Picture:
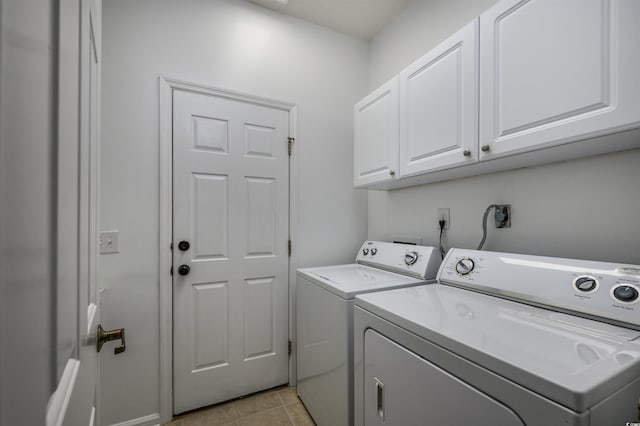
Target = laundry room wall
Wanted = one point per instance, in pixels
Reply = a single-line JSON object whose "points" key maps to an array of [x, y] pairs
{"points": [[232, 45], [586, 208]]}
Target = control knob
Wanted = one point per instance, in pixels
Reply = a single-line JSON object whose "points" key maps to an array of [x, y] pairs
{"points": [[411, 257], [625, 293], [374, 251], [465, 266], [586, 283], [365, 251]]}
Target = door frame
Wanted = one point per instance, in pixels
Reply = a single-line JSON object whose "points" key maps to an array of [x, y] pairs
{"points": [[167, 86]]}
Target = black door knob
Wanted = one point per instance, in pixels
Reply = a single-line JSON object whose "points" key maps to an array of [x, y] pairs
{"points": [[184, 269], [184, 245]]}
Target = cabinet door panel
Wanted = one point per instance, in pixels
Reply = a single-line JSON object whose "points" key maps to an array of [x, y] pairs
{"points": [[376, 136], [550, 72], [438, 106]]}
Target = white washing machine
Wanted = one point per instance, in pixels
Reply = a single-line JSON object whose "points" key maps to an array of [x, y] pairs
{"points": [[502, 339], [324, 314]]}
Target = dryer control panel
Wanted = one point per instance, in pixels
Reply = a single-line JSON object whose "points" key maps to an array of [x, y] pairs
{"points": [[600, 290], [417, 261]]}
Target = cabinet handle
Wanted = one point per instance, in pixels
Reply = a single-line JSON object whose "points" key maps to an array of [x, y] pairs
{"points": [[466, 152], [485, 148], [392, 172], [379, 398]]}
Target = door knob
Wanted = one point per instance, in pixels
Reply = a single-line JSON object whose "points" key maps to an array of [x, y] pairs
{"points": [[485, 148], [184, 270], [105, 336], [184, 245], [466, 153]]}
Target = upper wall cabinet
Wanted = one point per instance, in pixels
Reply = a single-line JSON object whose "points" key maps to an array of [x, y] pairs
{"points": [[539, 81], [376, 136], [553, 72], [438, 106]]}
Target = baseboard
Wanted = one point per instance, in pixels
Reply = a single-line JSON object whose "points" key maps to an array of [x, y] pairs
{"points": [[152, 419]]}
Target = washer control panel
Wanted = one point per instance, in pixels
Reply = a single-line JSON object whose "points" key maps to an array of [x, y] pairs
{"points": [[417, 261], [608, 291]]}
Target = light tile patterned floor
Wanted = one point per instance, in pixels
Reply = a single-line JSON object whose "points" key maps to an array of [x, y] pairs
{"points": [[275, 407]]}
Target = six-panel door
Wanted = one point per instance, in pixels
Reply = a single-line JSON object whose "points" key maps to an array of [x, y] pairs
{"points": [[230, 203]]}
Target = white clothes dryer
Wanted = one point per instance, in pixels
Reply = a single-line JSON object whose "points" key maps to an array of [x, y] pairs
{"points": [[324, 312], [502, 339]]}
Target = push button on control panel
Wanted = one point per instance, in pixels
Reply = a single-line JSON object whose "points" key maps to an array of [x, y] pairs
{"points": [[585, 283], [625, 293]]}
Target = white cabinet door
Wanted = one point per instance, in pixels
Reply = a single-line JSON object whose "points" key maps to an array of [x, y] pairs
{"points": [[552, 72], [376, 136], [438, 106]]}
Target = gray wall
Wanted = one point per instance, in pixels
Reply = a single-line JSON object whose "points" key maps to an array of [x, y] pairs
{"points": [[232, 45], [28, 55], [588, 208]]}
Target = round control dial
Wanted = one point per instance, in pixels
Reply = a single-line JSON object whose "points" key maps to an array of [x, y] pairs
{"points": [[465, 266], [625, 293], [585, 283], [365, 251], [374, 251], [411, 257]]}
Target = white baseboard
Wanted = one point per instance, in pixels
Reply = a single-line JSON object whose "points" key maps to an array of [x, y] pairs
{"points": [[152, 419]]}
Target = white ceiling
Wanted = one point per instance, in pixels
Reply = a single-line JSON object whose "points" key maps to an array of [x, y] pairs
{"points": [[360, 18]]}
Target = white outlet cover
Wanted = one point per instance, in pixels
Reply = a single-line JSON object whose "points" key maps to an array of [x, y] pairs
{"points": [[443, 213]]}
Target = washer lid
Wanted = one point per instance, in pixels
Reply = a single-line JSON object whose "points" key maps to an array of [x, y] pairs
{"points": [[349, 280], [574, 361]]}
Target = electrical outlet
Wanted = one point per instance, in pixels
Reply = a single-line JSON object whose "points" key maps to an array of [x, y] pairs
{"points": [[443, 214], [502, 216], [109, 242]]}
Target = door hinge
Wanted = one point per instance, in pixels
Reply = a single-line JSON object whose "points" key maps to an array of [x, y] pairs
{"points": [[289, 347], [289, 247], [290, 142]]}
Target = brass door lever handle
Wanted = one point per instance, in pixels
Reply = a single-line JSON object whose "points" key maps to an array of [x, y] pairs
{"points": [[105, 336]]}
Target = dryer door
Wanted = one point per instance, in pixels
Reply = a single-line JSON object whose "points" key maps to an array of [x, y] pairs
{"points": [[400, 388]]}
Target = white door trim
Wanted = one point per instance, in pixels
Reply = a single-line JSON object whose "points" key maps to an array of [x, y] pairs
{"points": [[167, 86]]}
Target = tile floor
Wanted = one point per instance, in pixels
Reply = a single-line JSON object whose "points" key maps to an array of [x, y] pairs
{"points": [[274, 407]]}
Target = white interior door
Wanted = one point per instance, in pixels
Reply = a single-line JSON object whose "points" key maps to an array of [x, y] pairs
{"points": [[77, 308], [230, 204]]}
